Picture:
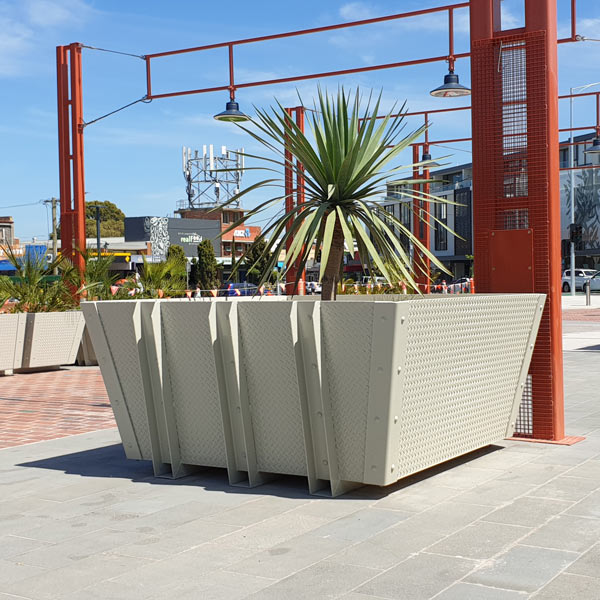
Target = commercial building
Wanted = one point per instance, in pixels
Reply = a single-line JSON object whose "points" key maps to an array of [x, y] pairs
{"points": [[455, 183]]}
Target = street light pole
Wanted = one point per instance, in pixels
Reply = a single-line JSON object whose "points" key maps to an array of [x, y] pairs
{"points": [[572, 178]]}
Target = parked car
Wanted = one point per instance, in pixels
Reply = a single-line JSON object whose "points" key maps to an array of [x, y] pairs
{"points": [[581, 276], [238, 289], [313, 287], [595, 282]]}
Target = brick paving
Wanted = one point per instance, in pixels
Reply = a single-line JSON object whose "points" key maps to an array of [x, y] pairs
{"points": [[582, 314], [52, 404]]}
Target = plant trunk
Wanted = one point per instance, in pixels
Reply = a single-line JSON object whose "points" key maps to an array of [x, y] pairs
{"points": [[334, 264]]}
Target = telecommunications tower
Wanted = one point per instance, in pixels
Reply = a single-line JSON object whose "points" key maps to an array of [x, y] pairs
{"points": [[211, 179]]}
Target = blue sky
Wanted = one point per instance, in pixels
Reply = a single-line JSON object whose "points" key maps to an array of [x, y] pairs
{"points": [[133, 158]]}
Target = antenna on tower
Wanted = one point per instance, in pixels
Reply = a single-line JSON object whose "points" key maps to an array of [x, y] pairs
{"points": [[211, 178]]}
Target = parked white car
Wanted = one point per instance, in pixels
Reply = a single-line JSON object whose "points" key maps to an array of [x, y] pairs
{"points": [[595, 282], [581, 276]]}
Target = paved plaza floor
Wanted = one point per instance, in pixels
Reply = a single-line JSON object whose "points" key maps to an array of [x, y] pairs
{"points": [[513, 521]]}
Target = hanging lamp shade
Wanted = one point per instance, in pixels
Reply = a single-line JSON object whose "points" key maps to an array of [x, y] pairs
{"points": [[451, 88], [427, 158], [595, 147], [232, 113]]}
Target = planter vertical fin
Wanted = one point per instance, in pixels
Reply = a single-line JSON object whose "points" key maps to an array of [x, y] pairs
{"points": [[12, 334]]}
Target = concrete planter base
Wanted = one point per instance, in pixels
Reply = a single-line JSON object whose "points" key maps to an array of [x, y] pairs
{"points": [[358, 391], [52, 339]]}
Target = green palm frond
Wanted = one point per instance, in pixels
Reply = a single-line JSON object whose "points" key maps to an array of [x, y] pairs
{"points": [[346, 166]]}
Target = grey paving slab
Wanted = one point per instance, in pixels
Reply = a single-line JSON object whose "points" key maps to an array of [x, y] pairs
{"points": [[480, 540], [570, 587], [55, 584], [566, 488], [361, 525], [12, 545], [590, 469], [257, 510], [588, 507], [328, 509], [522, 568], [271, 532], [588, 564], [533, 473], [466, 477], [13, 571], [284, 559], [527, 511], [494, 493], [419, 577], [319, 581], [162, 545], [417, 499], [470, 591], [566, 532]]}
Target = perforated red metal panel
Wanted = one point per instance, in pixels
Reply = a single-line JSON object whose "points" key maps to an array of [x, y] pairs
{"points": [[513, 191]]}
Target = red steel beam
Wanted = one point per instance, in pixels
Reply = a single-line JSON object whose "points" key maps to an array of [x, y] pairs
{"points": [[278, 36], [250, 84]]}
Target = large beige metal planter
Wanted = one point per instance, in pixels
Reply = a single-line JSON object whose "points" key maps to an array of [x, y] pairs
{"points": [[12, 337], [52, 339], [358, 391]]}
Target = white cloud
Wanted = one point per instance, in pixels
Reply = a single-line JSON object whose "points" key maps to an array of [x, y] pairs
{"points": [[23, 30], [57, 13], [356, 11]]}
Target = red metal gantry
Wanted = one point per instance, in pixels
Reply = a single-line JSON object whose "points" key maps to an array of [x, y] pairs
{"points": [[515, 158]]}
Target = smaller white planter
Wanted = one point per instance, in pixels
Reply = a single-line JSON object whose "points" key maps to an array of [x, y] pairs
{"points": [[52, 339], [12, 338]]}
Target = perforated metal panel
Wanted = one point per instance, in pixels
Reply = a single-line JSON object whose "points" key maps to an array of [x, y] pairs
{"points": [[52, 339], [269, 365], [116, 318], [402, 385], [12, 334], [193, 380], [463, 361], [346, 337]]}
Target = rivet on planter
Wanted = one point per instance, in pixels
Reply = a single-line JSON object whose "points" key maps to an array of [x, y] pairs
{"points": [[395, 418], [380, 369], [314, 365], [393, 468], [402, 319], [325, 463], [376, 419], [399, 370], [373, 467], [383, 318], [319, 414]]}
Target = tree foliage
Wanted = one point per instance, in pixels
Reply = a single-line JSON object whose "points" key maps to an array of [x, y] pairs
{"points": [[206, 268], [112, 219], [346, 171], [257, 260]]}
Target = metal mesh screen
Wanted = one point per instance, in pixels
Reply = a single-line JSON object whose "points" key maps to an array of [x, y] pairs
{"points": [[524, 424], [511, 175]]}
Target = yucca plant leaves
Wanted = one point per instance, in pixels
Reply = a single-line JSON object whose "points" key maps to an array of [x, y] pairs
{"points": [[346, 166]]}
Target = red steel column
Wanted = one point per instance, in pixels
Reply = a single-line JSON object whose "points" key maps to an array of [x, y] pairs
{"points": [[547, 363], [516, 195], [292, 273], [70, 150]]}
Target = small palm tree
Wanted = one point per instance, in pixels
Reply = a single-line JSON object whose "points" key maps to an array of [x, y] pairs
{"points": [[164, 278], [34, 288], [96, 280], [345, 174]]}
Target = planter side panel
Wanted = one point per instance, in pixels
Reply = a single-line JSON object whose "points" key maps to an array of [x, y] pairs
{"points": [[12, 335], [52, 339], [268, 363], [116, 318], [346, 337], [192, 374], [463, 361]]}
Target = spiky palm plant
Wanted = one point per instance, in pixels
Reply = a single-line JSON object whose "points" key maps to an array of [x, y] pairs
{"points": [[96, 280], [345, 170], [34, 287], [162, 278]]}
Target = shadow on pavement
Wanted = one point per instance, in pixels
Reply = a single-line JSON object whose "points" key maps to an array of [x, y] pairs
{"points": [[110, 461]]}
